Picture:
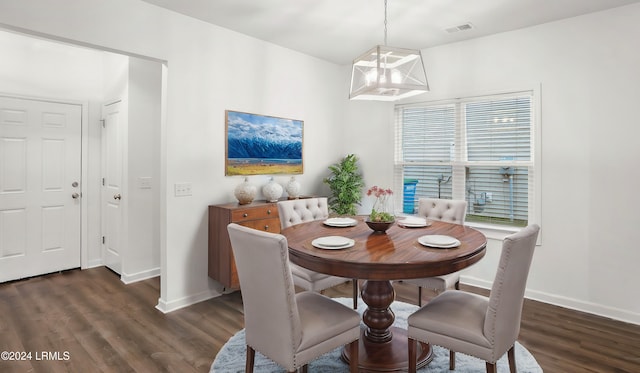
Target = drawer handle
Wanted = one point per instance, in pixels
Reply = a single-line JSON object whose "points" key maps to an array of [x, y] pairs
{"points": [[245, 215], [266, 227], [268, 212]]}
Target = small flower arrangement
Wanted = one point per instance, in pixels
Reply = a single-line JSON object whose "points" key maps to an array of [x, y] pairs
{"points": [[379, 212]]}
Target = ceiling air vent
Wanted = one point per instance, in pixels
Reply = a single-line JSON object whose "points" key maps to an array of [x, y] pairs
{"points": [[462, 27]]}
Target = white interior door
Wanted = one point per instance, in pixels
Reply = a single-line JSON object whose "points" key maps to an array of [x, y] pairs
{"points": [[112, 139], [40, 191]]}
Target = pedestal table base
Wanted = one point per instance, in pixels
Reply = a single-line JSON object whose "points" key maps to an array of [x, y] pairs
{"points": [[390, 356]]}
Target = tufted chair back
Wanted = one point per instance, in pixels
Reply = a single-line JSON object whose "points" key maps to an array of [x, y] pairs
{"points": [[296, 211], [450, 211], [502, 320], [289, 328], [447, 210], [474, 324], [267, 294]]}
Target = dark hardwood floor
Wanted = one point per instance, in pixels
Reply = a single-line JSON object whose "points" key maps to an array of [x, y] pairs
{"points": [[88, 321]]}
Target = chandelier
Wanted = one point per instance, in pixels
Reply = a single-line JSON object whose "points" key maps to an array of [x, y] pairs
{"points": [[386, 73]]}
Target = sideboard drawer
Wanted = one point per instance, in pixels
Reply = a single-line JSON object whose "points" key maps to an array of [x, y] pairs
{"points": [[266, 225], [246, 214]]}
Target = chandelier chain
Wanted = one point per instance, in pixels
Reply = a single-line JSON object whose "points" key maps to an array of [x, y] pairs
{"points": [[385, 22]]}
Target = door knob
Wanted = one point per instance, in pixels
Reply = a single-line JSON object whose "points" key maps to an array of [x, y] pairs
{"points": [[117, 196], [75, 196]]}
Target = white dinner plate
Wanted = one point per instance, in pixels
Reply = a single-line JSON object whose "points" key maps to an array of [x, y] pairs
{"points": [[439, 241], [412, 222], [341, 222], [332, 242]]}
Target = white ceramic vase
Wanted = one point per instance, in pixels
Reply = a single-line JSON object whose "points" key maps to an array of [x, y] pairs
{"points": [[272, 191], [293, 188], [245, 192]]}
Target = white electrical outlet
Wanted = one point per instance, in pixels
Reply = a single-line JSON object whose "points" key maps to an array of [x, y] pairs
{"points": [[182, 189]]}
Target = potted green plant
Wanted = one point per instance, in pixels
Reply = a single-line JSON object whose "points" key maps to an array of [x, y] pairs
{"points": [[346, 186]]}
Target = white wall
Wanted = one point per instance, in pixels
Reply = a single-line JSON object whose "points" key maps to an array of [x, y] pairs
{"points": [[370, 135], [141, 256], [209, 69], [115, 74], [587, 68], [589, 193]]}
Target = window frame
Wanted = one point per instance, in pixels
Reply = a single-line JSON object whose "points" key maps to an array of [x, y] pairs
{"points": [[492, 230]]}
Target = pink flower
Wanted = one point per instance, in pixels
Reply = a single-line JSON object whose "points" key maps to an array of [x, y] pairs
{"points": [[377, 192], [381, 210]]}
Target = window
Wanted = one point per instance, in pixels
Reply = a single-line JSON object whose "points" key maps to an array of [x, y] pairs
{"points": [[480, 149]]}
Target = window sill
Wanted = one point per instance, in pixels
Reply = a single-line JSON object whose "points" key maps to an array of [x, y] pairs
{"points": [[493, 231]]}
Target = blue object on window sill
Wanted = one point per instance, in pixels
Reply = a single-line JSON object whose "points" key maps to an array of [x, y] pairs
{"points": [[408, 196]]}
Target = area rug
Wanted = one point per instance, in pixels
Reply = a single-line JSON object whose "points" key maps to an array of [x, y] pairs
{"points": [[231, 358]]}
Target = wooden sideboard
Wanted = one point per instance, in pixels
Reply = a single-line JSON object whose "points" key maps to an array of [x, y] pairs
{"points": [[260, 215]]}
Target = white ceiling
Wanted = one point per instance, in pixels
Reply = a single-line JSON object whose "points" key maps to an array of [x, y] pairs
{"points": [[340, 30]]}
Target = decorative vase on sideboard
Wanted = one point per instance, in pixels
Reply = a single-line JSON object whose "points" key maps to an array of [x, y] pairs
{"points": [[293, 188], [272, 191], [245, 192]]}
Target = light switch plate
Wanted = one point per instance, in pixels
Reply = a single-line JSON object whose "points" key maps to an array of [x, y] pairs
{"points": [[182, 189]]}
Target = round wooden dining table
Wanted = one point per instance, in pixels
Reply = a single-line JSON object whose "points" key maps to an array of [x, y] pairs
{"points": [[379, 258]]}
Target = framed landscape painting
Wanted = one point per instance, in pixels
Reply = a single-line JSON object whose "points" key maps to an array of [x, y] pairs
{"points": [[262, 145]]}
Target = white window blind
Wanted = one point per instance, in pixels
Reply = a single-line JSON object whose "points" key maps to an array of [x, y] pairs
{"points": [[479, 149]]}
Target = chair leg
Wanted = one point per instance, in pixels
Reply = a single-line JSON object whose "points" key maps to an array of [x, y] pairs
{"points": [[353, 353], [305, 368], [419, 296], [452, 360], [491, 368], [355, 293], [413, 362], [457, 285], [511, 356], [251, 354]]}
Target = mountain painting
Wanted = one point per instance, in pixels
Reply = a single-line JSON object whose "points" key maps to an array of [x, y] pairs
{"points": [[263, 145]]}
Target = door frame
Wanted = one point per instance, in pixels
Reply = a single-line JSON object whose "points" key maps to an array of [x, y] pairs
{"points": [[84, 167]]}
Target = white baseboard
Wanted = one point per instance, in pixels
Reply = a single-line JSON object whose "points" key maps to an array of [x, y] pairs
{"points": [[143, 275], [94, 263], [166, 307], [570, 303]]}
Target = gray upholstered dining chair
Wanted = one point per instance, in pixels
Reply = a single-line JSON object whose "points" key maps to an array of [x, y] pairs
{"points": [[484, 327], [296, 211], [448, 210], [290, 329]]}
